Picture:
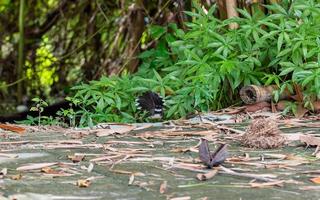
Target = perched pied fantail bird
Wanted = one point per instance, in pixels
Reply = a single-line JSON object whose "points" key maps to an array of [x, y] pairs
{"points": [[152, 103]]}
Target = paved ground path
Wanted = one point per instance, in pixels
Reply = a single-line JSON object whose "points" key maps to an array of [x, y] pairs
{"points": [[147, 162]]}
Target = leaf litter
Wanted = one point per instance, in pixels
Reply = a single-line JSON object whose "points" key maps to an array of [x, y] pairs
{"points": [[176, 148]]}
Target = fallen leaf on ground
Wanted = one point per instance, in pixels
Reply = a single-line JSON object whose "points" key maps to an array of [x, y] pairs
{"points": [[184, 150], [181, 198], [83, 183], [122, 128], [35, 166], [301, 110], [14, 143], [12, 128], [316, 180], [258, 106], [310, 140], [309, 188], [16, 177], [76, 158], [268, 184], [316, 106], [103, 132], [261, 177], [127, 172], [163, 187], [8, 155], [49, 170]]}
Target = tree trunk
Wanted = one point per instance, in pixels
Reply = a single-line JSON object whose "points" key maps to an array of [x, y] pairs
{"points": [[232, 12], [21, 58]]}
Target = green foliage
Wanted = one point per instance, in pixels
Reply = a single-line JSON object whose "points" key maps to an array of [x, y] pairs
{"points": [[44, 75], [40, 104], [110, 99], [204, 67], [293, 36], [291, 107], [69, 114], [44, 120]]}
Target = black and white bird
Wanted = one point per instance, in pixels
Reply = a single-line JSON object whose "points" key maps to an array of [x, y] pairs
{"points": [[152, 103]]}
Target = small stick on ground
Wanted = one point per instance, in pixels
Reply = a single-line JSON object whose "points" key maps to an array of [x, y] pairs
{"points": [[254, 176]]}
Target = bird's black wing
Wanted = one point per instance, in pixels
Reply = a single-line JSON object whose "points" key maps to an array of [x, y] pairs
{"points": [[150, 102]]}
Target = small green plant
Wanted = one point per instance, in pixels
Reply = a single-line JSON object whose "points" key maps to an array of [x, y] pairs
{"points": [[29, 121], [70, 114], [291, 107], [39, 107]]}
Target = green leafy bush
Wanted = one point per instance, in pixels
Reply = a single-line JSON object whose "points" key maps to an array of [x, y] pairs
{"points": [[204, 67]]}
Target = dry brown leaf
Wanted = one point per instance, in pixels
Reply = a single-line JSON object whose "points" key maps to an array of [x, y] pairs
{"points": [[268, 184], [67, 141], [301, 111], [104, 132], [181, 198], [174, 134], [127, 172], [83, 183], [310, 140], [76, 158], [143, 127], [163, 187], [316, 180], [73, 146], [207, 176], [258, 106], [13, 128], [316, 106], [16, 177], [35, 166], [9, 155], [122, 128], [78, 134], [275, 155], [49, 170], [261, 177], [14, 143], [291, 137], [184, 150], [296, 158], [309, 188], [189, 166]]}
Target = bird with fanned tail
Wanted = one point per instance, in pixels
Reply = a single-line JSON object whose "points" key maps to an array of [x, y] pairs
{"points": [[152, 104]]}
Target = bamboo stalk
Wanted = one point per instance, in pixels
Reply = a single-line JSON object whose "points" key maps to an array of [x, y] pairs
{"points": [[253, 94], [21, 50]]}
